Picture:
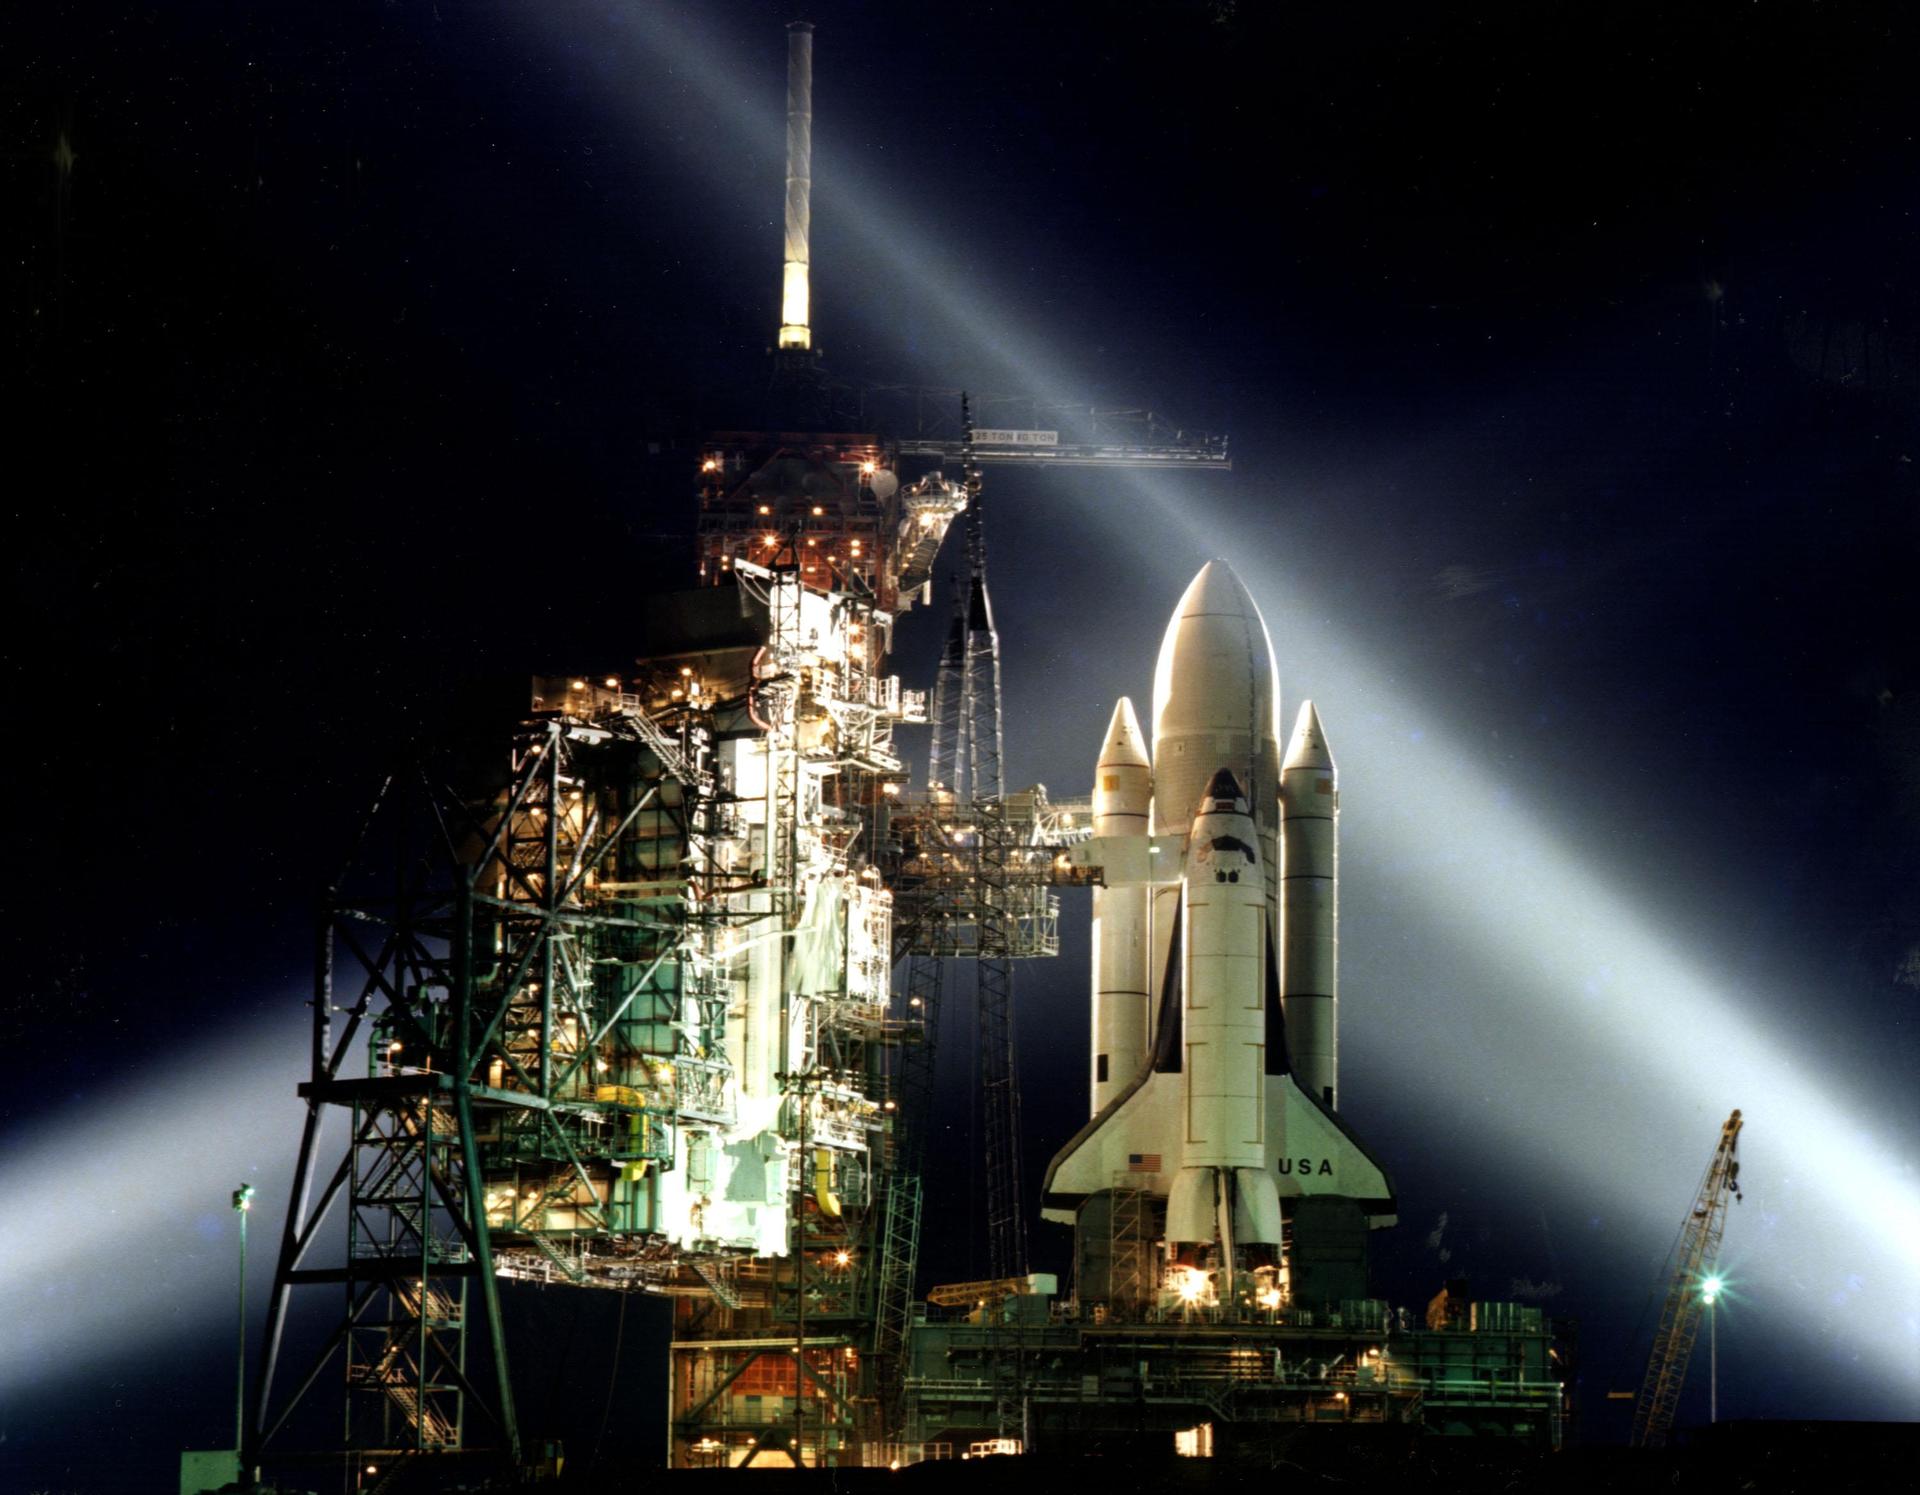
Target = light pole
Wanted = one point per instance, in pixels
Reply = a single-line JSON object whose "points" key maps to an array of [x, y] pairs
{"points": [[242, 1203], [1710, 1295]]}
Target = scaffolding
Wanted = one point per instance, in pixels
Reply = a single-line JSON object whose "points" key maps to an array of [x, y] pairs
{"points": [[1092, 1384], [951, 861], [1131, 1284], [832, 509], [623, 1023], [786, 1371]]}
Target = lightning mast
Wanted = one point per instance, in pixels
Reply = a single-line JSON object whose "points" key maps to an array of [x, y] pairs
{"points": [[1680, 1318]]}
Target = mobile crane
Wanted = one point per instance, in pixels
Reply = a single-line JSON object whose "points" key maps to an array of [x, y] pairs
{"points": [[1694, 1285]]}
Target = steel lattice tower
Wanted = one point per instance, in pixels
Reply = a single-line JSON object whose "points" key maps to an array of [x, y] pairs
{"points": [[999, 1060], [925, 985], [986, 786], [965, 758], [925, 970]]}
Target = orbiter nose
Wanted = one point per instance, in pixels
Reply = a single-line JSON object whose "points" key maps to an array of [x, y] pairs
{"points": [[1224, 795]]}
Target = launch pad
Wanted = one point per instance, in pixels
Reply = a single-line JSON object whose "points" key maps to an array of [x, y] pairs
{"points": [[1092, 1384]]}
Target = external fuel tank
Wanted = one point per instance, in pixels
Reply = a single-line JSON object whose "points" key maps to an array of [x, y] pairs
{"points": [[1216, 698]]}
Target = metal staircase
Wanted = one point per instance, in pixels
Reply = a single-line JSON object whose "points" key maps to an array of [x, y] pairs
{"points": [[720, 1282], [395, 1377], [899, 1260], [565, 1265]]}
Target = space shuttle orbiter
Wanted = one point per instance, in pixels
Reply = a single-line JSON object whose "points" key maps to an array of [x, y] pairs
{"points": [[1215, 1038]]}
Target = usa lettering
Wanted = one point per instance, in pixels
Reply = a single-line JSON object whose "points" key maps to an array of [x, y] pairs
{"points": [[1306, 1167]]}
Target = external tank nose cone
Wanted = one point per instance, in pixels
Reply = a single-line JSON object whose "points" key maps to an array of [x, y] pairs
{"points": [[1215, 690], [1216, 592], [1125, 745], [1217, 657], [1307, 747]]}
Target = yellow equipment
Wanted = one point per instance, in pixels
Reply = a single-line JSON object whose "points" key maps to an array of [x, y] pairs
{"points": [[1680, 1318], [980, 1294]]}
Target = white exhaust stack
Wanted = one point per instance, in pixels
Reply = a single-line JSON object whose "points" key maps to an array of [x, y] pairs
{"points": [[794, 292]]}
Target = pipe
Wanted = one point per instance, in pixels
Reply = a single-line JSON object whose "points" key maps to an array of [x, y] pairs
{"points": [[823, 1194], [794, 292]]}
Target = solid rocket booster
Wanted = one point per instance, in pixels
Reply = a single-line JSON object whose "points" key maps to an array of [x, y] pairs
{"points": [[1223, 1028], [1122, 803], [1309, 906]]}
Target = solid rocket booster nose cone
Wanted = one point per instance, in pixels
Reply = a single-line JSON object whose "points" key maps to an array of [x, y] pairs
{"points": [[1122, 778], [1307, 747], [1126, 744]]}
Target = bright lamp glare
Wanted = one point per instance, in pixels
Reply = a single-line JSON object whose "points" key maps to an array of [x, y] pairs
{"points": [[118, 1235]]}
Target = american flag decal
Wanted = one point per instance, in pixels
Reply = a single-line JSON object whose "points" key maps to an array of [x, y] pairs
{"points": [[1143, 1162]]}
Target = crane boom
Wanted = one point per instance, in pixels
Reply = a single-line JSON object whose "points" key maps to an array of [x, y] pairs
{"points": [[1680, 1317]]}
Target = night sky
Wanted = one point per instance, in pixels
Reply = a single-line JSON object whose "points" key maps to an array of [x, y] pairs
{"points": [[1571, 362]]}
